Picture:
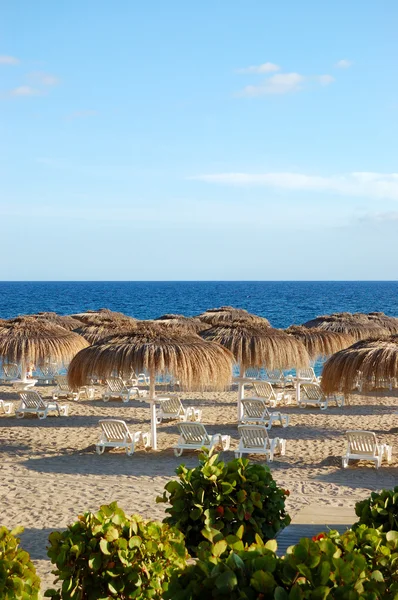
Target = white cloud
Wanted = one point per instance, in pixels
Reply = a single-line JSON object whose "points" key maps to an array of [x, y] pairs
{"points": [[343, 64], [24, 90], [325, 79], [363, 184], [267, 67], [9, 60], [282, 83], [46, 79]]}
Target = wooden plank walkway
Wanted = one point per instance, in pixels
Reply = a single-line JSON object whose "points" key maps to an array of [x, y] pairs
{"points": [[311, 520]]}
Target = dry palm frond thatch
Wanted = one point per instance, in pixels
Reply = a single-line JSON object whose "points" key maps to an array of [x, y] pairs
{"points": [[195, 363], [192, 324], [229, 314], [96, 317], [357, 324], [371, 361], [320, 342], [259, 346], [27, 338], [389, 323], [62, 320]]}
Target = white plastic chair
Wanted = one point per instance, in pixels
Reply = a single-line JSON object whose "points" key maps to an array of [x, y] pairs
{"points": [[117, 389], [11, 371], [6, 407], [32, 402], [47, 372], [363, 445], [63, 390], [254, 440], [275, 376], [311, 393], [193, 436], [264, 391], [256, 411], [172, 408], [116, 434], [307, 375]]}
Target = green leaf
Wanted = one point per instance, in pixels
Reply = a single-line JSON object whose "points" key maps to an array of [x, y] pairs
{"points": [[226, 582], [219, 548], [104, 546]]}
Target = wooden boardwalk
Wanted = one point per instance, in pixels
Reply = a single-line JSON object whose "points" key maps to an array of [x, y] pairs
{"points": [[314, 519]]}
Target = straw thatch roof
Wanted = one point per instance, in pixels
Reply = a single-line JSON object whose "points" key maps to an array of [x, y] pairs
{"points": [[65, 321], [192, 324], [357, 324], [102, 315], [371, 361], [229, 314], [320, 342], [195, 363], [259, 346], [27, 338], [389, 323]]}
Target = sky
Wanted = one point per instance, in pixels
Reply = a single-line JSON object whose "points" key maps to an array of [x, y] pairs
{"points": [[175, 140]]}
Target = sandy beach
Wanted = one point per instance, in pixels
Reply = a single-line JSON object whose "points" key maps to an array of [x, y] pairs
{"points": [[50, 472]]}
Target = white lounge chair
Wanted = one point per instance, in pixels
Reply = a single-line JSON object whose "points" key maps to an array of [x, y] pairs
{"points": [[6, 407], [47, 372], [252, 373], [254, 440], [116, 434], [264, 391], [363, 445], [10, 371], [275, 376], [117, 389], [32, 402], [63, 390], [307, 375], [193, 436], [256, 411], [172, 408], [311, 393]]}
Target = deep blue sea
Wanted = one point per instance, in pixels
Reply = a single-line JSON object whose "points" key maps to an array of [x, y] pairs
{"points": [[282, 302]]}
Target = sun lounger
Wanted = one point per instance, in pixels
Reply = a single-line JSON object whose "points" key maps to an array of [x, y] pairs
{"points": [[63, 390], [32, 402], [311, 393], [117, 389], [193, 436], [307, 375], [256, 411], [264, 391], [116, 434], [275, 376], [254, 440], [6, 407], [10, 371], [363, 445], [47, 373], [172, 408]]}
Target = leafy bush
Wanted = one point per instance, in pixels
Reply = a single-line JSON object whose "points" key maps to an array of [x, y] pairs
{"points": [[380, 510], [110, 555], [360, 565], [224, 496], [18, 579]]}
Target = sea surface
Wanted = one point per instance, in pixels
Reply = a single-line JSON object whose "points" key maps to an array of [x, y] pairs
{"points": [[282, 302]]}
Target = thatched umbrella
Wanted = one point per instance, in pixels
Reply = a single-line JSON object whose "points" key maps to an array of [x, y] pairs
{"points": [[192, 324], [229, 314], [389, 323], [95, 333], [95, 317], [254, 346], [65, 321], [196, 364], [26, 339], [320, 342], [372, 360], [358, 325]]}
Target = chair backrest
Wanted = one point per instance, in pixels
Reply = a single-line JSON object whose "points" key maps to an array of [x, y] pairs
{"points": [[62, 382], [194, 433], [48, 369], [115, 384], [306, 374], [253, 436], [362, 442], [142, 378], [312, 391], [252, 372], [254, 409], [172, 406], [32, 400], [11, 370], [116, 430], [264, 389], [274, 374]]}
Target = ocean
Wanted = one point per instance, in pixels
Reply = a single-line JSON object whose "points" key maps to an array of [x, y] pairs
{"points": [[283, 302]]}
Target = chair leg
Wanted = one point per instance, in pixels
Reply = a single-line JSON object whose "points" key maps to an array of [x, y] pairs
{"points": [[100, 449], [178, 451]]}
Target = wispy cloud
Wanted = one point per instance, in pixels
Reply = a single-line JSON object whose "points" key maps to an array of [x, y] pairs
{"points": [[267, 67], [9, 60], [45, 79], [282, 83], [81, 114], [325, 79], [363, 184], [343, 64], [24, 90]]}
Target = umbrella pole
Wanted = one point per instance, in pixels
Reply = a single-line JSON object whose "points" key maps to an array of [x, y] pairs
{"points": [[23, 370], [152, 404], [241, 391]]}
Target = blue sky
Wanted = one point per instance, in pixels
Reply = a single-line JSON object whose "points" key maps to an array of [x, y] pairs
{"points": [[212, 140]]}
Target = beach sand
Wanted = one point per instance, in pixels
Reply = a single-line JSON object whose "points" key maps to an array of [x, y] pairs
{"points": [[50, 472]]}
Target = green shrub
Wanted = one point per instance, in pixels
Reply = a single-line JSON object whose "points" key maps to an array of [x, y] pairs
{"points": [[379, 510], [224, 496], [18, 579], [110, 555], [360, 565]]}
